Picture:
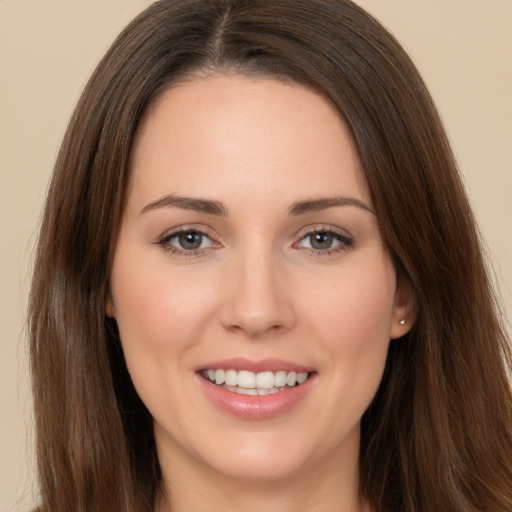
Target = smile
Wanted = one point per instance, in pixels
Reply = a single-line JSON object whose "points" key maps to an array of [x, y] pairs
{"points": [[246, 382], [256, 390]]}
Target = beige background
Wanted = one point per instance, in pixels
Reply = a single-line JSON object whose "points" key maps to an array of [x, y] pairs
{"points": [[48, 49]]}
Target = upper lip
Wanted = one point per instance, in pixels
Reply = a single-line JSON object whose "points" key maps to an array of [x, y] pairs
{"points": [[256, 366]]}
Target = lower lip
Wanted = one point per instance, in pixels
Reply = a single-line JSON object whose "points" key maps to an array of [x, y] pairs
{"points": [[258, 407]]}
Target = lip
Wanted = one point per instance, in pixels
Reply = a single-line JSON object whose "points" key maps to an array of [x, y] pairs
{"points": [[258, 407], [263, 365]]}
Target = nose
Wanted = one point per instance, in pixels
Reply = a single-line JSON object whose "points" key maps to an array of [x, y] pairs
{"points": [[257, 296]]}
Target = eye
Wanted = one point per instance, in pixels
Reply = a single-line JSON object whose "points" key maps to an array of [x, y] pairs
{"points": [[321, 241], [187, 242]]}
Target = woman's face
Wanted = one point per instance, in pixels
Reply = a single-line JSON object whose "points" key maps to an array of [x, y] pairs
{"points": [[253, 293]]}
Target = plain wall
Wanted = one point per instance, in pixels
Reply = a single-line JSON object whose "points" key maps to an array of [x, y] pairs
{"points": [[47, 51]]}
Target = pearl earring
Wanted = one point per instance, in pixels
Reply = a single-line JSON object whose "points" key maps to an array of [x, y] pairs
{"points": [[402, 322]]}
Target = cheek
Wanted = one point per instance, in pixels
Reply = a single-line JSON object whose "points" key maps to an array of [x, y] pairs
{"points": [[155, 303], [355, 304], [352, 315], [160, 314]]}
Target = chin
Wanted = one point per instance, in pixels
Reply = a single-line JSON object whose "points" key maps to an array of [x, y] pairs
{"points": [[270, 452], [261, 466]]}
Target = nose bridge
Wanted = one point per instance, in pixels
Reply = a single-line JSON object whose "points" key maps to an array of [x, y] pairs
{"points": [[258, 298]]}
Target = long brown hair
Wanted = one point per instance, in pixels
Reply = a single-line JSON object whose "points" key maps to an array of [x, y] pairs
{"points": [[438, 435]]}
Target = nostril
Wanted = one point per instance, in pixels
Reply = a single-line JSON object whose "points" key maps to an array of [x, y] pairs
{"points": [[256, 329], [275, 320], [256, 301]]}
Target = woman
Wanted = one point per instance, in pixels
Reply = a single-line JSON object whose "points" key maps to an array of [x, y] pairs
{"points": [[249, 290]]}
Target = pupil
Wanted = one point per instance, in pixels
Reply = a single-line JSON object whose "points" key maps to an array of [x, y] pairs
{"points": [[321, 241], [190, 240]]}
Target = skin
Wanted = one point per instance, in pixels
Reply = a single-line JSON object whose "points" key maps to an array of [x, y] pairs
{"points": [[258, 288]]}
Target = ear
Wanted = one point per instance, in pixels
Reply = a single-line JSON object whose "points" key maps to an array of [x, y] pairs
{"points": [[405, 308], [109, 306]]}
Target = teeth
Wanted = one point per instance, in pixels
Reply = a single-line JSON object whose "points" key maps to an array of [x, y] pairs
{"points": [[301, 378], [246, 380], [262, 383], [244, 391], [265, 380], [231, 378], [253, 392], [220, 377], [280, 379], [291, 378]]}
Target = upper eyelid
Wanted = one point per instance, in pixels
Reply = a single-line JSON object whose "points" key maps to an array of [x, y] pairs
{"points": [[209, 232], [174, 234], [342, 237], [164, 241], [204, 230], [320, 228]]}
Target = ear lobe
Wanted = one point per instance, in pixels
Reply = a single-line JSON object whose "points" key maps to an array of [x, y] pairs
{"points": [[109, 306], [405, 309]]}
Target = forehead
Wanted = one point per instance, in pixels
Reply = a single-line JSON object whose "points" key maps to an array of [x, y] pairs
{"points": [[211, 132]]}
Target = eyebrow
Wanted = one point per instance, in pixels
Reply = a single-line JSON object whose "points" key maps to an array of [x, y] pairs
{"points": [[217, 208], [187, 203], [314, 205]]}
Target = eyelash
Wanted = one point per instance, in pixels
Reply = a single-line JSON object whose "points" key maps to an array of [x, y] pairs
{"points": [[345, 242], [165, 240]]}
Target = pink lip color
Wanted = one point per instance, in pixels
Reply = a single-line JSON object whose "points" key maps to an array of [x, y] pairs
{"points": [[263, 365], [256, 407]]}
